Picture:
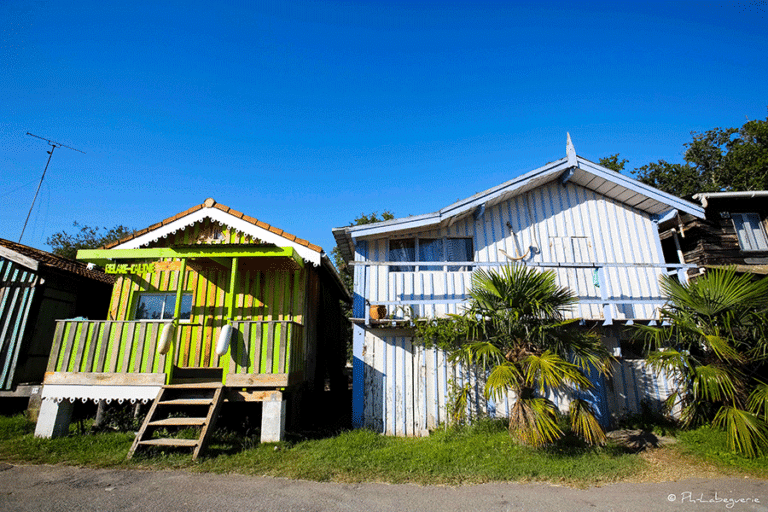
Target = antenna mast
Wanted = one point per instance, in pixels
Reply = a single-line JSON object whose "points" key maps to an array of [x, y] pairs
{"points": [[53, 145]]}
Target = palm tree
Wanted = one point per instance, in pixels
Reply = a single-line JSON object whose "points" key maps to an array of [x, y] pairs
{"points": [[516, 328], [716, 347]]}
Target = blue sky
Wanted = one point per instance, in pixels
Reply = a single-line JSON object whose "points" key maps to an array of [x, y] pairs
{"points": [[307, 114]]}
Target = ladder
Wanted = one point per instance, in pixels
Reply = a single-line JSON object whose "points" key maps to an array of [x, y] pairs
{"points": [[189, 399]]}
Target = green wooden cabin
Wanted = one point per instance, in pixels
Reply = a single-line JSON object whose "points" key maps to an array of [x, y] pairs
{"points": [[210, 294]]}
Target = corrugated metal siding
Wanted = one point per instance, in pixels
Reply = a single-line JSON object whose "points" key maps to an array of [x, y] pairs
{"points": [[17, 289]]}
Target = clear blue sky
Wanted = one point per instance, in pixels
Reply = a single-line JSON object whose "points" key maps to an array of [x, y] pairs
{"points": [[307, 114]]}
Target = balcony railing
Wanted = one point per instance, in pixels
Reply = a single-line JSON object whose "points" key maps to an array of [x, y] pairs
{"points": [[606, 291], [260, 352]]}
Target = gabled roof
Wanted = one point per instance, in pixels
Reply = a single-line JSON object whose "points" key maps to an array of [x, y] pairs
{"points": [[33, 259], [224, 215], [239, 221], [571, 169]]}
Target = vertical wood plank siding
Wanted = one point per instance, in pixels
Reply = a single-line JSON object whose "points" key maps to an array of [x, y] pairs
{"points": [[259, 295], [17, 290], [406, 387], [564, 224]]}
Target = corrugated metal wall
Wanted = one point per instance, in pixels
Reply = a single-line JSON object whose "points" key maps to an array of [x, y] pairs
{"points": [[17, 289]]}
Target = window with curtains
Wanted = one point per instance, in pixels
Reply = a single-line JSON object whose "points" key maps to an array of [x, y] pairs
{"points": [[430, 249], [750, 232], [160, 306]]}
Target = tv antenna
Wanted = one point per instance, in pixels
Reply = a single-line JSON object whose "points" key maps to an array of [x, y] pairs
{"points": [[53, 145]]}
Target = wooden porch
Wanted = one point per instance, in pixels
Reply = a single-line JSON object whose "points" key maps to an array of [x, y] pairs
{"points": [[261, 354]]}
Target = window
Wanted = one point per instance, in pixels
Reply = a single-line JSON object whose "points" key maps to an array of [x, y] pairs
{"points": [[160, 306], [430, 249], [750, 232]]}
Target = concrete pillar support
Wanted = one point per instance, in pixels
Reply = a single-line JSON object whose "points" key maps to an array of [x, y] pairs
{"points": [[54, 418], [273, 419]]}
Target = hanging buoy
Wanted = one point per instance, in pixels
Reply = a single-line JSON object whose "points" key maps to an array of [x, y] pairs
{"points": [[165, 338], [222, 345]]}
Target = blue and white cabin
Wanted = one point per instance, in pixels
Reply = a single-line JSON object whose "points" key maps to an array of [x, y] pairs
{"points": [[596, 228]]}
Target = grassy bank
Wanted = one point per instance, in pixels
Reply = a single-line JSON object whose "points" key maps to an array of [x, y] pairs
{"points": [[475, 454]]}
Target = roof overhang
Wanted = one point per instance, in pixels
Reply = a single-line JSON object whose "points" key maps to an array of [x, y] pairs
{"points": [[106, 256], [704, 197], [308, 254]]}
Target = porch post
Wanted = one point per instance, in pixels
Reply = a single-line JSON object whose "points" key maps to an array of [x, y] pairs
{"points": [[54, 418], [232, 282], [273, 419]]}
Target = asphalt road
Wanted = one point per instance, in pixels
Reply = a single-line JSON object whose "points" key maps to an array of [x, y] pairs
{"points": [[61, 488]]}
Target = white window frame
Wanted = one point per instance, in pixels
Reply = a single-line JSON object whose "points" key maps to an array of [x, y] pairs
{"points": [[448, 268], [752, 225]]}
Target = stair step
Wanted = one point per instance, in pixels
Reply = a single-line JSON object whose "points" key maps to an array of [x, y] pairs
{"points": [[178, 422], [195, 385], [170, 442], [187, 401]]}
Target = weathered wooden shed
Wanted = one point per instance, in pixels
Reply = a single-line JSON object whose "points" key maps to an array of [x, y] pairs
{"points": [[36, 289], [210, 304], [596, 228], [734, 233]]}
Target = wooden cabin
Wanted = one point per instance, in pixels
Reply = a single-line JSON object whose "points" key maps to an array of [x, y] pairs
{"points": [[734, 232], [596, 228], [210, 297], [36, 289]]}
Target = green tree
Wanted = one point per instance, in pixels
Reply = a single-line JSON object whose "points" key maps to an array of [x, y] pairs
{"points": [[729, 159], [716, 348], [613, 162], [515, 328], [86, 237]]}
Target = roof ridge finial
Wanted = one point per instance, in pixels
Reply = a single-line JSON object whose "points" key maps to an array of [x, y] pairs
{"points": [[208, 203], [570, 152]]}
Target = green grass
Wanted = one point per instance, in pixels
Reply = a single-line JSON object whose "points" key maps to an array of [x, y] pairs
{"points": [[711, 444], [474, 454]]}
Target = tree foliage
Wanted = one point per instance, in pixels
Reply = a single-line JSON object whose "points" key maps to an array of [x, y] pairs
{"points": [[515, 328], [721, 159], [612, 162], [716, 348], [85, 237]]}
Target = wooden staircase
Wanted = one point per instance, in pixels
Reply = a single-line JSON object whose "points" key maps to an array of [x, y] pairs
{"points": [[180, 406]]}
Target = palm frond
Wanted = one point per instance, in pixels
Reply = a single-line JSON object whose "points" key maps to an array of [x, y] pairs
{"points": [[584, 423], [712, 383], [533, 421], [758, 401], [746, 433], [503, 377], [550, 371]]}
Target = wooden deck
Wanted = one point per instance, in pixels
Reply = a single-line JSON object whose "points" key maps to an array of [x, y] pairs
{"points": [[103, 352]]}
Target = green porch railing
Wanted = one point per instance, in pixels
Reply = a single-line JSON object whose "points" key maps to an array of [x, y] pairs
{"points": [[273, 350]]}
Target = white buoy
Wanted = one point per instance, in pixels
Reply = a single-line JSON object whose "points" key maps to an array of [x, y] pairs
{"points": [[222, 345], [165, 338]]}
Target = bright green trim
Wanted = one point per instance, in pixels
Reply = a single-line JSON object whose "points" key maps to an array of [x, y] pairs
{"points": [[232, 289], [105, 256], [180, 290]]}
